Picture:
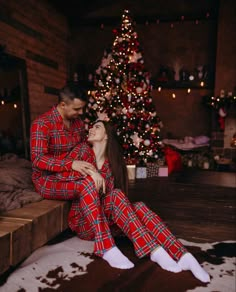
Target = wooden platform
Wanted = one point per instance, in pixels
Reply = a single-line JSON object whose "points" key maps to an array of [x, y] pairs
{"points": [[25, 229]]}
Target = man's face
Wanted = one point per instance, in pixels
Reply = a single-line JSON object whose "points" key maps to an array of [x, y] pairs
{"points": [[72, 109]]}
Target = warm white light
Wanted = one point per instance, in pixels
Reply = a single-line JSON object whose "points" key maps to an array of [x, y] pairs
{"points": [[159, 88], [2, 102], [173, 95], [189, 90], [15, 105], [202, 83]]}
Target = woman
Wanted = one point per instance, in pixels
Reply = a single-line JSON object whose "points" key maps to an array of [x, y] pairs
{"points": [[93, 213]]}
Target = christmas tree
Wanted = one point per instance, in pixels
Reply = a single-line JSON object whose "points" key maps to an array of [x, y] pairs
{"points": [[123, 91]]}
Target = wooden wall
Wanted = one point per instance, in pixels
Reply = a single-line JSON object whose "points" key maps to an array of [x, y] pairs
{"points": [[226, 47], [33, 31]]}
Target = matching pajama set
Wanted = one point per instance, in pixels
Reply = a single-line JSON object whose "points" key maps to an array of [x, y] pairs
{"points": [[53, 149]]}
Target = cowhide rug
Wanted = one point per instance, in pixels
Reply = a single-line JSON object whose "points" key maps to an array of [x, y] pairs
{"points": [[71, 266]]}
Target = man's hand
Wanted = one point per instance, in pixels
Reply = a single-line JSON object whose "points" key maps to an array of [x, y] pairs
{"points": [[99, 181], [83, 167]]}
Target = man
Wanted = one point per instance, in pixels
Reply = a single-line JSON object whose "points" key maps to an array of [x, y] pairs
{"points": [[53, 135]]}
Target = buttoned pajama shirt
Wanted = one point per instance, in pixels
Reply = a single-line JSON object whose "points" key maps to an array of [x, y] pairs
{"points": [[53, 149]]}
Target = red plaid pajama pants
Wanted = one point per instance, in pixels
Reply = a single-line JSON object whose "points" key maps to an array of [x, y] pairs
{"points": [[90, 216]]}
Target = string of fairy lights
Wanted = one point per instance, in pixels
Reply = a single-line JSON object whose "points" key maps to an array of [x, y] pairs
{"points": [[5, 99], [173, 93], [13, 105], [171, 20]]}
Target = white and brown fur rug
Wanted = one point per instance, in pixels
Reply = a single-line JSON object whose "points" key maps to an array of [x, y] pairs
{"points": [[71, 266]]}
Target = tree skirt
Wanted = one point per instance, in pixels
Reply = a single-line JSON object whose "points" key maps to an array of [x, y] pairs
{"points": [[71, 266]]}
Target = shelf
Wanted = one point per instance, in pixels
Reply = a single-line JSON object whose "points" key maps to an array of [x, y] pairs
{"points": [[182, 85]]}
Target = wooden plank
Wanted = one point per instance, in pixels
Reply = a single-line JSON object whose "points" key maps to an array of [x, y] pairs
{"points": [[5, 238], [20, 238], [41, 59], [46, 217], [4, 17]]}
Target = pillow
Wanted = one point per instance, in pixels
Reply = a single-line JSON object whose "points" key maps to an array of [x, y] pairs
{"points": [[199, 140]]}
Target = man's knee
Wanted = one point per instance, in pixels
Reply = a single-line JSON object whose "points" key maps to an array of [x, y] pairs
{"points": [[88, 187], [139, 205]]}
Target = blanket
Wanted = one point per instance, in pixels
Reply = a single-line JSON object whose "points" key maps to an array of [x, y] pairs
{"points": [[16, 187]]}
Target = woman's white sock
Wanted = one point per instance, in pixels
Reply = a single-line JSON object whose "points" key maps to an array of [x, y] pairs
{"points": [[162, 258], [188, 262], [117, 259]]}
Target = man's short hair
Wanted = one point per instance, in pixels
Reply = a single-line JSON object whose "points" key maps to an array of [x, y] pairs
{"points": [[71, 91]]}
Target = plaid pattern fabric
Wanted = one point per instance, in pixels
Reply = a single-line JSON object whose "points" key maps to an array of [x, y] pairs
{"points": [[87, 218], [51, 142], [119, 210], [159, 231]]}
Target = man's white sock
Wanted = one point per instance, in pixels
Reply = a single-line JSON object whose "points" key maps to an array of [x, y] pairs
{"points": [[162, 258], [117, 259], [188, 262]]}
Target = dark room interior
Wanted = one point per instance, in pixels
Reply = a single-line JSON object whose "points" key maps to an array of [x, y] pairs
{"points": [[183, 58]]}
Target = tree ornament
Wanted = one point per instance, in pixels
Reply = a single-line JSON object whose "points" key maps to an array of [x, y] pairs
{"points": [[130, 110], [146, 142], [102, 116], [222, 114], [139, 90], [124, 110], [136, 139]]}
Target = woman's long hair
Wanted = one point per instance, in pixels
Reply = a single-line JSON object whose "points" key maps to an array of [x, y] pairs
{"points": [[114, 153]]}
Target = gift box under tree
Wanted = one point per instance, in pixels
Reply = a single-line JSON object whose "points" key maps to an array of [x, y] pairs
{"points": [[152, 169]]}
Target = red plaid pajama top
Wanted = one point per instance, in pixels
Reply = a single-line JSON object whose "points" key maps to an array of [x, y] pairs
{"points": [[50, 143]]}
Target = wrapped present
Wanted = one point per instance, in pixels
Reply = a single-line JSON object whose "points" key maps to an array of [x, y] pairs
{"points": [[131, 169], [152, 169], [163, 171], [141, 172]]}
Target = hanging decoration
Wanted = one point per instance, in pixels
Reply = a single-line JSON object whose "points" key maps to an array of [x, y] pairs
{"points": [[221, 104]]}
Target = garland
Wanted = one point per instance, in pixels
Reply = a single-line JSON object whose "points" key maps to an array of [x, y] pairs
{"points": [[221, 105]]}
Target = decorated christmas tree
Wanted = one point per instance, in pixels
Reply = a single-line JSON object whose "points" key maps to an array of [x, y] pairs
{"points": [[123, 91]]}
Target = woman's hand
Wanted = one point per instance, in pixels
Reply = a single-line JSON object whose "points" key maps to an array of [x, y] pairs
{"points": [[99, 181], [83, 167]]}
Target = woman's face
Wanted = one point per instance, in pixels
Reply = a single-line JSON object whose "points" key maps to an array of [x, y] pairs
{"points": [[97, 133]]}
